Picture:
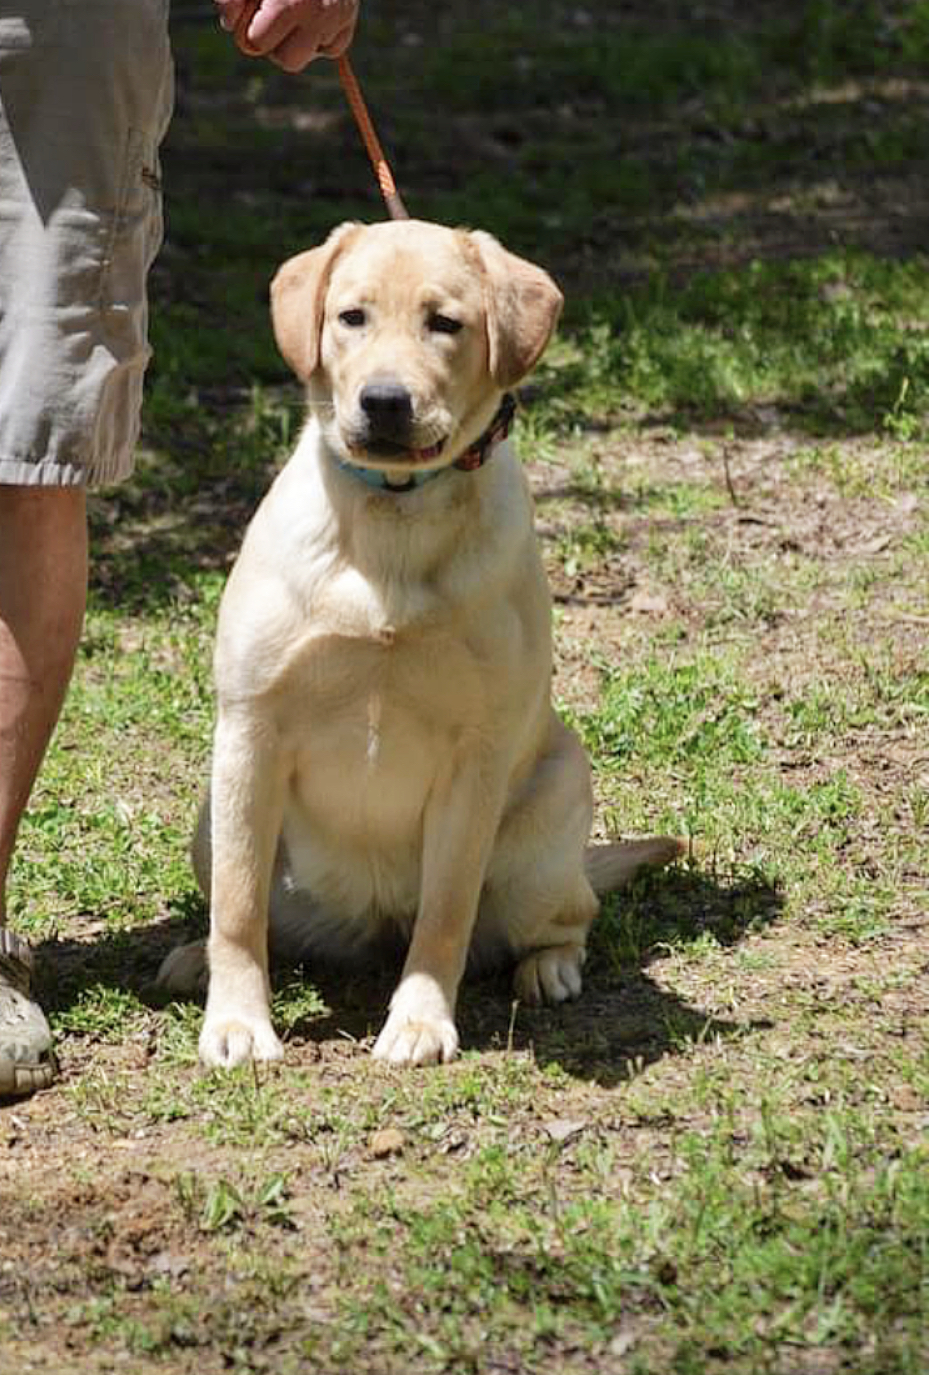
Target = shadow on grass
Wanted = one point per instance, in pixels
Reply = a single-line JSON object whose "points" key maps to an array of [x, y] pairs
{"points": [[626, 1020], [623, 1022], [153, 540]]}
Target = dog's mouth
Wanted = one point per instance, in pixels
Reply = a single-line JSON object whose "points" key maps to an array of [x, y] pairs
{"points": [[384, 427], [377, 453]]}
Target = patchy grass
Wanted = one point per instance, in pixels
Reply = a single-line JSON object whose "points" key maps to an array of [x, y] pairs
{"points": [[716, 1160], [836, 343]]}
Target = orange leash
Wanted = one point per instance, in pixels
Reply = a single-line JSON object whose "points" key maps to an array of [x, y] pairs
{"points": [[395, 207]]}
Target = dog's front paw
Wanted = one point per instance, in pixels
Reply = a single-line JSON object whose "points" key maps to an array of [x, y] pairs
{"points": [[228, 1041], [416, 1043], [552, 975], [420, 1029]]}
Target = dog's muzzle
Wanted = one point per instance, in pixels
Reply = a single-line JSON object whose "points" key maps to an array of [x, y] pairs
{"points": [[387, 428], [388, 411]]}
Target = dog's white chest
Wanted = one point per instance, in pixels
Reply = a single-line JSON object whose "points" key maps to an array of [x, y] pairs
{"points": [[369, 724], [374, 730]]}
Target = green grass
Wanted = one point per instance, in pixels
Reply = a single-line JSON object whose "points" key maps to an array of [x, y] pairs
{"points": [[838, 342], [727, 1236], [716, 1161]]}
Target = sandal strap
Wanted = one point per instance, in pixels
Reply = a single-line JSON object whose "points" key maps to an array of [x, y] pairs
{"points": [[16, 960]]}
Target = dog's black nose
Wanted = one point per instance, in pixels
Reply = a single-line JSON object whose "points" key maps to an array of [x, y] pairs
{"points": [[388, 407]]}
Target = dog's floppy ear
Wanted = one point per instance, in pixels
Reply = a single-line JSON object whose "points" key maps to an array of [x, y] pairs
{"points": [[523, 306], [298, 295]]}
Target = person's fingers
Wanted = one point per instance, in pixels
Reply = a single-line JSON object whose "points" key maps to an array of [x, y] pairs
{"points": [[291, 33], [296, 51], [229, 12], [273, 22], [341, 42], [331, 36]]}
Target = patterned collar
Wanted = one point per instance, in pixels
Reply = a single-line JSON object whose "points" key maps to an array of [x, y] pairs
{"points": [[472, 459]]}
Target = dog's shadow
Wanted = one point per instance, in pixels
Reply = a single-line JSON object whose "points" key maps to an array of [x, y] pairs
{"points": [[624, 1020]]}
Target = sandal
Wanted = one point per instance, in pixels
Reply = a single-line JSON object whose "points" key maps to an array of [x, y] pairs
{"points": [[26, 1059]]}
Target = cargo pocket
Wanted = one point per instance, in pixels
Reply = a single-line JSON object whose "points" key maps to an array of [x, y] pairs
{"points": [[135, 238]]}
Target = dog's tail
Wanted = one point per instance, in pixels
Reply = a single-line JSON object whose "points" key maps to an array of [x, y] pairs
{"points": [[608, 867]]}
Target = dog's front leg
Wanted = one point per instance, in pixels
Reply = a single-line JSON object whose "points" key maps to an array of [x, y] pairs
{"points": [[459, 826], [247, 806]]}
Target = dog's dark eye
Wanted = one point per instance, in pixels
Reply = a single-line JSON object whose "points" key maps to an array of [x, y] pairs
{"points": [[353, 318], [443, 324]]}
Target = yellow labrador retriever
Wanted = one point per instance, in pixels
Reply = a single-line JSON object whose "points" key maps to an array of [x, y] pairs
{"points": [[386, 753]]}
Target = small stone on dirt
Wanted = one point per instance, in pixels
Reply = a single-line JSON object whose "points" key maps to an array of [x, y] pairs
{"points": [[387, 1141], [906, 1099], [170, 1264], [649, 604], [624, 1340], [562, 1129]]}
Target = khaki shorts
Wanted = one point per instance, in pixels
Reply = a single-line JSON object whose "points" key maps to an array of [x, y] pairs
{"points": [[86, 88]]}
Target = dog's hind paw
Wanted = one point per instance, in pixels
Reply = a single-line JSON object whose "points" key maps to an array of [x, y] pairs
{"points": [[184, 970], [229, 1041], [552, 975]]}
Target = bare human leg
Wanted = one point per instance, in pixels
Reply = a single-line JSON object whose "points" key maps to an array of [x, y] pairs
{"points": [[43, 590]]}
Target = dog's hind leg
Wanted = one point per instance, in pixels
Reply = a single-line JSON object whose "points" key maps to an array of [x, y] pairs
{"points": [[543, 881], [184, 971], [537, 901]]}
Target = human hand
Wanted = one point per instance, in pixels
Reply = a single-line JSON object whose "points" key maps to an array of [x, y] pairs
{"points": [[290, 33]]}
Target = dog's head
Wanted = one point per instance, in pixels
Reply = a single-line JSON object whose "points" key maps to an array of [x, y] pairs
{"points": [[406, 335]]}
